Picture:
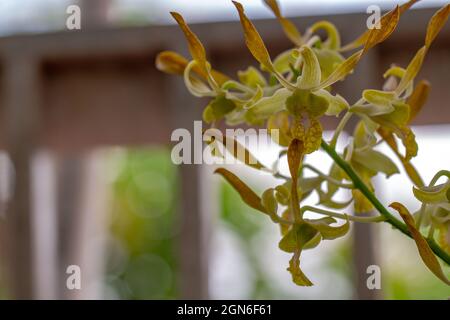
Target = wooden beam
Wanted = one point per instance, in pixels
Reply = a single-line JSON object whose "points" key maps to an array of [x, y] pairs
{"points": [[113, 40], [95, 14]]}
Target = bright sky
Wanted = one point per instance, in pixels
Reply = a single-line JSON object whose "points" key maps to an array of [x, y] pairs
{"points": [[200, 10], [40, 15]]}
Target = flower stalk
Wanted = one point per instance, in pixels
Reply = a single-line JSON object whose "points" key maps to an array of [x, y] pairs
{"points": [[361, 186]]}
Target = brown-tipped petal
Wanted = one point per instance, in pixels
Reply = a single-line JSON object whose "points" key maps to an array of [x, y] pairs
{"points": [[195, 46], [388, 24], [361, 40], [241, 153], [247, 194], [253, 40], [295, 156], [418, 98], [436, 23], [342, 70], [288, 27], [425, 251], [171, 62]]}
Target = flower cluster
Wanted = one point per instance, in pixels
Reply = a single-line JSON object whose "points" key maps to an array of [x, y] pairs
{"points": [[290, 94]]}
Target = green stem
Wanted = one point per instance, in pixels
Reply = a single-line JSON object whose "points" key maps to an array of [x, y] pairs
{"points": [[327, 178], [343, 216], [361, 186], [431, 232], [320, 174], [339, 128]]}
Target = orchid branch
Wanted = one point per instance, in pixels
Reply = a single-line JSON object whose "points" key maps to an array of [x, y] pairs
{"points": [[361, 186]]}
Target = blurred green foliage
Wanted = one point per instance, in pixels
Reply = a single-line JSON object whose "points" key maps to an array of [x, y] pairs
{"points": [[398, 287], [142, 260]]}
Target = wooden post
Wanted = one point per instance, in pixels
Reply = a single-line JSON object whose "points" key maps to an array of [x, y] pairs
{"points": [[192, 245], [21, 102], [44, 231], [363, 235], [364, 256], [68, 196]]}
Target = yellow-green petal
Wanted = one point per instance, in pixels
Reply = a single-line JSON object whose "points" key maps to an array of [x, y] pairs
{"points": [[252, 77], [328, 232], [298, 277], [375, 161], [435, 194], [333, 41], [311, 74], [269, 202]]}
